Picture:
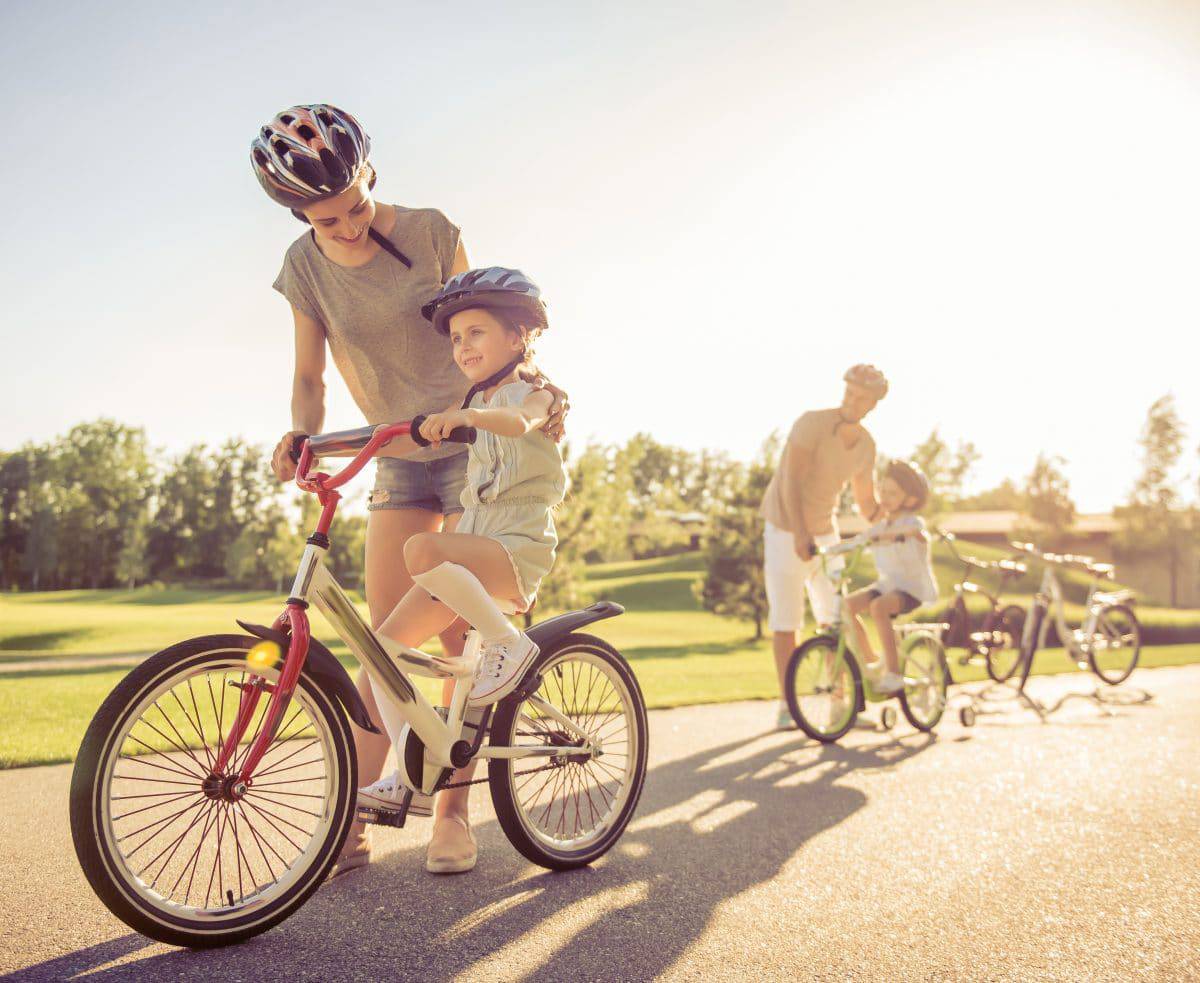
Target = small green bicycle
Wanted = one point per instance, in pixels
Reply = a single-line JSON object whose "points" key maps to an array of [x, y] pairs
{"points": [[825, 687]]}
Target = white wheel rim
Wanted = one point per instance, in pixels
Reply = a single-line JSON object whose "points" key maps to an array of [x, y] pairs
{"points": [[571, 808], [266, 869]]}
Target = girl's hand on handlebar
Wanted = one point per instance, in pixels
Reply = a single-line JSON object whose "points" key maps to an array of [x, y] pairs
{"points": [[282, 463], [437, 426]]}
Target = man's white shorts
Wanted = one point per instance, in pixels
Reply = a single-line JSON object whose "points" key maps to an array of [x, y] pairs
{"points": [[788, 577]]}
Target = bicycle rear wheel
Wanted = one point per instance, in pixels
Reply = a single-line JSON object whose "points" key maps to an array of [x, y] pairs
{"points": [[1114, 649], [566, 812], [1003, 639], [168, 844], [823, 689], [926, 676]]}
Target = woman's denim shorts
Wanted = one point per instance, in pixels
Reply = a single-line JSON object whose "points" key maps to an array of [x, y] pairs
{"points": [[435, 486]]}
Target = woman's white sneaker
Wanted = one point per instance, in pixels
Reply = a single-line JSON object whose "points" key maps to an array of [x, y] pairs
{"points": [[501, 666], [387, 796]]}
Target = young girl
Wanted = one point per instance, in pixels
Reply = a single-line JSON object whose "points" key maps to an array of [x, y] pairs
{"points": [[901, 551], [504, 543]]}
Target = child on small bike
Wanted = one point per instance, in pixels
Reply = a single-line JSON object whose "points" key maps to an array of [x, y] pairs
{"points": [[900, 546], [504, 543]]}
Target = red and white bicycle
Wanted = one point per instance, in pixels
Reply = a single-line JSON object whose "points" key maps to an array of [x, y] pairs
{"points": [[214, 786]]}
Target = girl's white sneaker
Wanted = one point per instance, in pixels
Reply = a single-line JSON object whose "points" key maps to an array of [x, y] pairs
{"points": [[501, 666], [890, 682]]}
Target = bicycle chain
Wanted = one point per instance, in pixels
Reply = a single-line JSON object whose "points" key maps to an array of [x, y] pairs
{"points": [[531, 771]]}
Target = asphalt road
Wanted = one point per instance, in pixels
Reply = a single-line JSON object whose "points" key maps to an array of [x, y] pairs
{"points": [[1013, 850]]}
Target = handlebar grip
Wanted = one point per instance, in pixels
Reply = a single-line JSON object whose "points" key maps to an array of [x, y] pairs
{"points": [[463, 435], [459, 435], [297, 444]]}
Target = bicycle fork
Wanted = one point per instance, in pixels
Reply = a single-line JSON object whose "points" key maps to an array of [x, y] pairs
{"points": [[296, 618]]}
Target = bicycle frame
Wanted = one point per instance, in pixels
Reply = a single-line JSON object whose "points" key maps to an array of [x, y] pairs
{"points": [[381, 658], [1050, 595]]}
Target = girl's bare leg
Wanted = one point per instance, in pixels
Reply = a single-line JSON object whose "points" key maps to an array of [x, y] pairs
{"points": [[856, 604], [883, 610], [387, 581]]}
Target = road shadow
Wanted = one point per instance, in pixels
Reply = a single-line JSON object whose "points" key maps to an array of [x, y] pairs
{"points": [[709, 827]]}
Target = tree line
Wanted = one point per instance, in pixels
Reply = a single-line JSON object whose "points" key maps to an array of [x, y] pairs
{"points": [[100, 507]]}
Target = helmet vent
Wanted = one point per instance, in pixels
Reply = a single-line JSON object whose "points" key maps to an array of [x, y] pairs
{"points": [[287, 119], [306, 131]]}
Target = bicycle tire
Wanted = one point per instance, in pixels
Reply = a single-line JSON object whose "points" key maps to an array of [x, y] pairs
{"points": [[910, 696], [1010, 619], [573, 783], [108, 871], [843, 709], [1122, 668]]}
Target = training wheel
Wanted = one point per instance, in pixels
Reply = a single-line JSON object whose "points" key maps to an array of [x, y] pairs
{"points": [[887, 718], [966, 716]]}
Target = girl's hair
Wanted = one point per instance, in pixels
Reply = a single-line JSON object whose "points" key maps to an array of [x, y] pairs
{"points": [[529, 326], [366, 168]]}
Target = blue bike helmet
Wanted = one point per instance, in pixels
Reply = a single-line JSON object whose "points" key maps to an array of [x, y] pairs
{"points": [[493, 288]]}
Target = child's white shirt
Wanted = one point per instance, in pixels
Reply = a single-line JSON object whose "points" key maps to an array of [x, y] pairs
{"points": [[905, 565]]}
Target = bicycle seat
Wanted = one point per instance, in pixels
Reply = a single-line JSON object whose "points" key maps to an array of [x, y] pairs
{"points": [[1101, 569]]}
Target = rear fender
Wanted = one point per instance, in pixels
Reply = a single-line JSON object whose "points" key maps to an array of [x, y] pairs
{"points": [[546, 633]]}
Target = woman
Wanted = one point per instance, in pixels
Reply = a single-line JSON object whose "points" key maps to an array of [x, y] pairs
{"points": [[356, 281]]}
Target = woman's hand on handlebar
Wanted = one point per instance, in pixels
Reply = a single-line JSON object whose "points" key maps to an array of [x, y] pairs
{"points": [[437, 426], [283, 463], [555, 427]]}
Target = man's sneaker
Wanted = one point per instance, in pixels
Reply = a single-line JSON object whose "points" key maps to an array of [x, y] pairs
{"points": [[501, 666], [890, 682], [783, 719], [386, 797]]}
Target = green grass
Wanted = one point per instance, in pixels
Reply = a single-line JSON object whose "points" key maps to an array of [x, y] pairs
{"points": [[682, 655]]}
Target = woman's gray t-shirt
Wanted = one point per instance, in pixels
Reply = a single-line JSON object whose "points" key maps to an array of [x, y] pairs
{"points": [[394, 363]]}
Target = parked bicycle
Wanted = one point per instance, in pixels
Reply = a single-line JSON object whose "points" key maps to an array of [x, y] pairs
{"points": [[824, 685], [997, 643], [1110, 639], [213, 789]]}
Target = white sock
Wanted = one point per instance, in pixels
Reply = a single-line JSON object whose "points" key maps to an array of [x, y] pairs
{"points": [[393, 717], [455, 586]]}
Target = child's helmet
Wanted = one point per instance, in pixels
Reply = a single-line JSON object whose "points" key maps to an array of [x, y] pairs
{"points": [[909, 477], [869, 378], [309, 152], [492, 288]]}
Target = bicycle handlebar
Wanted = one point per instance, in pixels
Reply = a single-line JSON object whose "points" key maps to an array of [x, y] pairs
{"points": [[369, 440]]}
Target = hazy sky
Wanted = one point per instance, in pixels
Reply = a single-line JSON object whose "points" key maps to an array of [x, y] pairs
{"points": [[726, 205]]}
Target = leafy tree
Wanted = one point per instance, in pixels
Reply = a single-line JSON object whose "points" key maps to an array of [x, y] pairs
{"points": [[592, 522], [945, 467], [733, 583], [1047, 511], [1006, 496], [1154, 520]]}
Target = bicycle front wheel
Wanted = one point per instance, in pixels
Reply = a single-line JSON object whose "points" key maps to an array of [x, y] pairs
{"points": [[926, 676], [1002, 636], [823, 688], [566, 812], [1114, 649], [167, 843]]}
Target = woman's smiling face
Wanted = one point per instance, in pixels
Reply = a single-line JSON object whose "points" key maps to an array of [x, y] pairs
{"points": [[483, 344], [345, 218]]}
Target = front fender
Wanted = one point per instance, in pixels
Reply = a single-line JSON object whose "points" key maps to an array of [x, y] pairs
{"points": [[321, 666]]}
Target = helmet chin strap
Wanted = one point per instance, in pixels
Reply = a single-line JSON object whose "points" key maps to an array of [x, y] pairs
{"points": [[492, 379]]}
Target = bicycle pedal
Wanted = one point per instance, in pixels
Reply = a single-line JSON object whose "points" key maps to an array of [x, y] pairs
{"points": [[413, 804]]}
